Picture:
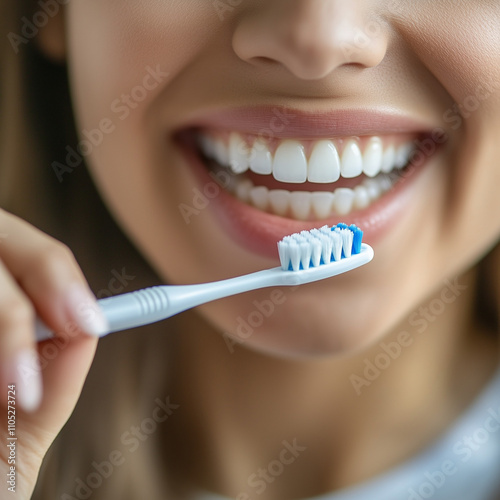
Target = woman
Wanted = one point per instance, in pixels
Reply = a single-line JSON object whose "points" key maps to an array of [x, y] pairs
{"points": [[211, 130]]}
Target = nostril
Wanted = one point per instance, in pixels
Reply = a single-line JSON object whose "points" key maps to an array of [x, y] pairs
{"points": [[263, 60]]}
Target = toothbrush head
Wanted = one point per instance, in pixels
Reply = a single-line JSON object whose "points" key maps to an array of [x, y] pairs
{"points": [[322, 247]]}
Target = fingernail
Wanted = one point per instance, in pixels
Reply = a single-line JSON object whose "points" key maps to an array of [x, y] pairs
{"points": [[24, 373], [86, 311]]}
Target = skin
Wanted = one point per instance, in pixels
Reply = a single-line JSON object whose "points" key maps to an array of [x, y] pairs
{"points": [[290, 53]]}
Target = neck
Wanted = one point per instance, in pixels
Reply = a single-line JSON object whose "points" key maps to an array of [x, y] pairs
{"points": [[341, 419]]}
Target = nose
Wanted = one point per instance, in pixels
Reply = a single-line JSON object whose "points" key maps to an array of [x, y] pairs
{"points": [[311, 38]]}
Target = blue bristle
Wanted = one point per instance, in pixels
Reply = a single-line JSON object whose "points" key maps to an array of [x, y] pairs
{"points": [[358, 238], [341, 225]]}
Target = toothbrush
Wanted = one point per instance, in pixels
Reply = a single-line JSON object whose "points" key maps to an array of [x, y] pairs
{"points": [[305, 257]]}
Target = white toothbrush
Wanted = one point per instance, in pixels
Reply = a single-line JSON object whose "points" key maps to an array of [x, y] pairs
{"points": [[305, 257]]}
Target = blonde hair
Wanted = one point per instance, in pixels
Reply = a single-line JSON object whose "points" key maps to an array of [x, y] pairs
{"points": [[127, 375]]}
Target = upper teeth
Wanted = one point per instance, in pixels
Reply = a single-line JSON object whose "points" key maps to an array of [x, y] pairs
{"points": [[290, 164]]}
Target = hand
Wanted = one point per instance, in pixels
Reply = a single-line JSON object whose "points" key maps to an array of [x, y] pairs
{"points": [[39, 276]]}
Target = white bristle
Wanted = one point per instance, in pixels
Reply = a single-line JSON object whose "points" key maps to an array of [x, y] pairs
{"points": [[347, 237], [305, 254], [336, 245], [284, 254], [316, 252], [326, 248], [294, 249]]}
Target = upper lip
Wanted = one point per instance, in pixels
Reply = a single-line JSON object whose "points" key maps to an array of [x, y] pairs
{"points": [[286, 122]]}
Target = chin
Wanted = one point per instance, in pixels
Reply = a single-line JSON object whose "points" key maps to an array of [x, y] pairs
{"points": [[295, 323]]}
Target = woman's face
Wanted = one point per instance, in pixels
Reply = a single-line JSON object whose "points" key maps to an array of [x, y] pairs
{"points": [[296, 90]]}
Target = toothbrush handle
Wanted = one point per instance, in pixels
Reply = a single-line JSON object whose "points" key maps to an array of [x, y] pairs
{"points": [[156, 303], [125, 311]]}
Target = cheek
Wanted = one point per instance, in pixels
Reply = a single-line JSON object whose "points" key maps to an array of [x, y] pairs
{"points": [[111, 43], [124, 58], [459, 44]]}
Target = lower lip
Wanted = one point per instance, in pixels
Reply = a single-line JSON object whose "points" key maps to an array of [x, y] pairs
{"points": [[259, 231]]}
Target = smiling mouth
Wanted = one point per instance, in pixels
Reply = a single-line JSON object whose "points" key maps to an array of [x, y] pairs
{"points": [[306, 180]]}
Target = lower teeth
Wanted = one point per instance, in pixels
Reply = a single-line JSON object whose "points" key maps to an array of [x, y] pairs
{"points": [[306, 205]]}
